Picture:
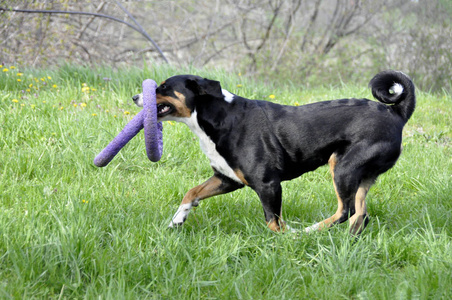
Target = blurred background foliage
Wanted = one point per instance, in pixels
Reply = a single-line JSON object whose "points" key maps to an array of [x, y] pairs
{"points": [[300, 42]]}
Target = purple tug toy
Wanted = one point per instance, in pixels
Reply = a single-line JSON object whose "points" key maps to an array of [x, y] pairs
{"points": [[146, 118]]}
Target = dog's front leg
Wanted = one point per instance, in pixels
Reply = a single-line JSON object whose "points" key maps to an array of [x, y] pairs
{"points": [[216, 185], [270, 195]]}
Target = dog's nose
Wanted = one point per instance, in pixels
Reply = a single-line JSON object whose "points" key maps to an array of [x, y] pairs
{"points": [[135, 98]]}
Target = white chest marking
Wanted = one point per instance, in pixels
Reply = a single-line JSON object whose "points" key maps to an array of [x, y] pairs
{"points": [[228, 97], [208, 147]]}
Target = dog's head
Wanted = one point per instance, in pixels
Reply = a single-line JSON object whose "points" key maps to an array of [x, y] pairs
{"points": [[178, 96]]}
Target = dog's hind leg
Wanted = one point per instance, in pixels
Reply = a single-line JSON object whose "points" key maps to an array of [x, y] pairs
{"points": [[343, 207], [360, 219], [216, 185]]}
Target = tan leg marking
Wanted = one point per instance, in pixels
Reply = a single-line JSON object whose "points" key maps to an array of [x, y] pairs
{"points": [[356, 221], [340, 205], [207, 189], [274, 226], [240, 175]]}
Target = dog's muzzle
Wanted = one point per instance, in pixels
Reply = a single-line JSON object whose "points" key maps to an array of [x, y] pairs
{"points": [[138, 100]]}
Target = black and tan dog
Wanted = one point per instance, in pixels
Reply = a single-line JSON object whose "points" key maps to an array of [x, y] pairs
{"points": [[260, 144]]}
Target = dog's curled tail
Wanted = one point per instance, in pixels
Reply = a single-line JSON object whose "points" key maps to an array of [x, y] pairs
{"points": [[394, 87]]}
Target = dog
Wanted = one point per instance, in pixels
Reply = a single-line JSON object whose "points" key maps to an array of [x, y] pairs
{"points": [[259, 144]]}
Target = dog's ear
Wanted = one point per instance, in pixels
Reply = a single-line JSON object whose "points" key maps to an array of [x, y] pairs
{"points": [[205, 87]]}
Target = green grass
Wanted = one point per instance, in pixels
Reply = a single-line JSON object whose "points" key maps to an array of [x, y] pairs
{"points": [[71, 230]]}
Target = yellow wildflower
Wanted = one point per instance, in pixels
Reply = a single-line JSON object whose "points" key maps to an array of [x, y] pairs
{"points": [[94, 115], [271, 96], [5, 70], [83, 104], [28, 90], [239, 85], [30, 85], [15, 101], [62, 107], [48, 77], [12, 67], [19, 80], [54, 86], [75, 104], [20, 74], [296, 104], [22, 104], [127, 113]]}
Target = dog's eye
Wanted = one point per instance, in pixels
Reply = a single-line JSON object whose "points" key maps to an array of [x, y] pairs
{"points": [[163, 86]]}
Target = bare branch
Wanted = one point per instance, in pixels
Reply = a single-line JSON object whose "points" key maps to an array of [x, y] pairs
{"points": [[82, 31], [312, 20], [2, 9], [142, 31], [270, 26]]}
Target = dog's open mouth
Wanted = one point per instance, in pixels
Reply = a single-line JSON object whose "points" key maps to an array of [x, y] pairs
{"points": [[164, 109]]}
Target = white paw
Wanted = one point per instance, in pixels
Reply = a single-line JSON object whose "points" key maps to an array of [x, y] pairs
{"points": [[312, 228], [181, 215], [290, 229]]}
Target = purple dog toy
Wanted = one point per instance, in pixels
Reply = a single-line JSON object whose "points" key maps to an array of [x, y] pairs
{"points": [[146, 118]]}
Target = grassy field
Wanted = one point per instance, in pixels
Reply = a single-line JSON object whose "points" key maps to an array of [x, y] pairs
{"points": [[71, 230]]}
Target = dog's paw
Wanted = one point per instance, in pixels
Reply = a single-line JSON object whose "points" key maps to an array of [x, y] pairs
{"points": [[180, 216], [173, 225], [312, 228], [289, 229], [292, 232]]}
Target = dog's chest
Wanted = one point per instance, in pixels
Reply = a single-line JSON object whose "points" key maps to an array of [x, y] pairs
{"points": [[208, 147]]}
